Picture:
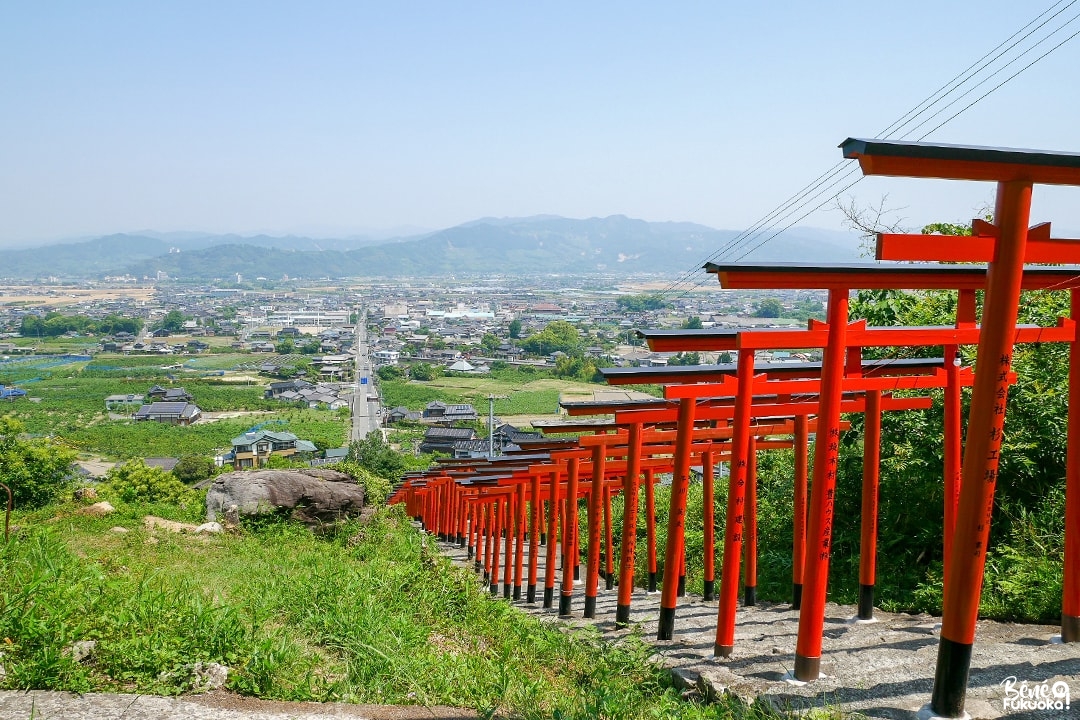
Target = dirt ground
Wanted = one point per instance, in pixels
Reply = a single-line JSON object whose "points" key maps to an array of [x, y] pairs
{"points": [[209, 417], [96, 468], [62, 295]]}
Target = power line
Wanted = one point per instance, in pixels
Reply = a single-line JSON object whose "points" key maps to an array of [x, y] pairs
{"points": [[940, 125], [966, 74], [995, 74], [827, 180], [1003, 82], [749, 235]]}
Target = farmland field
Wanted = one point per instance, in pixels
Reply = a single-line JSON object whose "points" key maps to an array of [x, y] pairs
{"points": [[67, 402], [530, 397]]}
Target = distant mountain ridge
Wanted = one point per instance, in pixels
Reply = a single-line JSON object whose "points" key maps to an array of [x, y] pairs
{"points": [[535, 245]]}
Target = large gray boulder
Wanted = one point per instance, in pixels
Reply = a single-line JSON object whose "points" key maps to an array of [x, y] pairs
{"points": [[313, 496]]}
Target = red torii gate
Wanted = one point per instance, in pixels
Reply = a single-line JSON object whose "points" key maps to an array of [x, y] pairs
{"points": [[798, 425], [498, 500], [839, 281], [640, 454], [744, 406], [708, 444], [860, 336], [1015, 172], [875, 376]]}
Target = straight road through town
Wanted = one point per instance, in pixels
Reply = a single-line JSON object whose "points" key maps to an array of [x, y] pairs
{"points": [[365, 400]]}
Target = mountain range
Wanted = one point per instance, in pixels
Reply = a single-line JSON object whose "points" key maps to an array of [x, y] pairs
{"points": [[507, 246]]}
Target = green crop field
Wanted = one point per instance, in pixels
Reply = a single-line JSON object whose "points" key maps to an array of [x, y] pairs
{"points": [[68, 403], [531, 397]]}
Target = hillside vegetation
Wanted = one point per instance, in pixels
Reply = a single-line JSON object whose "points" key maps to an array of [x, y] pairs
{"points": [[370, 613]]}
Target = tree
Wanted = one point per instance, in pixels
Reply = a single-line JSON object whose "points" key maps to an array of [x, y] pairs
{"points": [[311, 347], [870, 220], [282, 462], [640, 303], [692, 323], [193, 468], [577, 368], [37, 471], [424, 372], [376, 456], [685, 358], [490, 343], [285, 347], [515, 328], [173, 321], [390, 372], [557, 336], [113, 323], [769, 308]]}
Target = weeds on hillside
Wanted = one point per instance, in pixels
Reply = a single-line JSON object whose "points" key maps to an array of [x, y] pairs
{"points": [[369, 613]]}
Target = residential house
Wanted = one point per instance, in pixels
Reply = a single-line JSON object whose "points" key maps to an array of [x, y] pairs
{"points": [[170, 413], [165, 463], [470, 448], [434, 410], [253, 449], [277, 388], [509, 437], [442, 439], [386, 357], [402, 414], [437, 411], [331, 456], [177, 394]]}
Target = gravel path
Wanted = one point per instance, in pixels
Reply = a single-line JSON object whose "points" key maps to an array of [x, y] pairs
{"points": [[883, 669], [46, 705]]}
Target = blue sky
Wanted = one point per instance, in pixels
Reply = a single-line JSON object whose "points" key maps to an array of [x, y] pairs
{"points": [[336, 118]]}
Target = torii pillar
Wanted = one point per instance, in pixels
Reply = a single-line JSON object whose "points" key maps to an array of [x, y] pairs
{"points": [[1015, 172]]}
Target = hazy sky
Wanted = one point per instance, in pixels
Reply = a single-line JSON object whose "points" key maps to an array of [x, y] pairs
{"points": [[333, 118]]}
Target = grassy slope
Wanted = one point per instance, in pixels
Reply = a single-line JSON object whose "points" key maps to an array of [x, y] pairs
{"points": [[371, 614]]}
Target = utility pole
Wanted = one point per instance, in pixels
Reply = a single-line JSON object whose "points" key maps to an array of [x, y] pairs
{"points": [[491, 422]]}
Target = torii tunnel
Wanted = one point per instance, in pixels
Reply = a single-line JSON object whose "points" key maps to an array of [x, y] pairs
{"points": [[527, 503]]}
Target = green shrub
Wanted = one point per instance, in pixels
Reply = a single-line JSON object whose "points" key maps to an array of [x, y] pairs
{"points": [[193, 468], [36, 470], [134, 481], [376, 488]]}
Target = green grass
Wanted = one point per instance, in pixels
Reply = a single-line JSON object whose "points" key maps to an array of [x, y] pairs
{"points": [[371, 613], [524, 393], [129, 439]]}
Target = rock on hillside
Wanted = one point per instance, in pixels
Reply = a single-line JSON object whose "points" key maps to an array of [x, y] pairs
{"points": [[312, 496]]}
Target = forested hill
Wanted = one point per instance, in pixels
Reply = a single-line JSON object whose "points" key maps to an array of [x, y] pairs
{"points": [[506, 246]]}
